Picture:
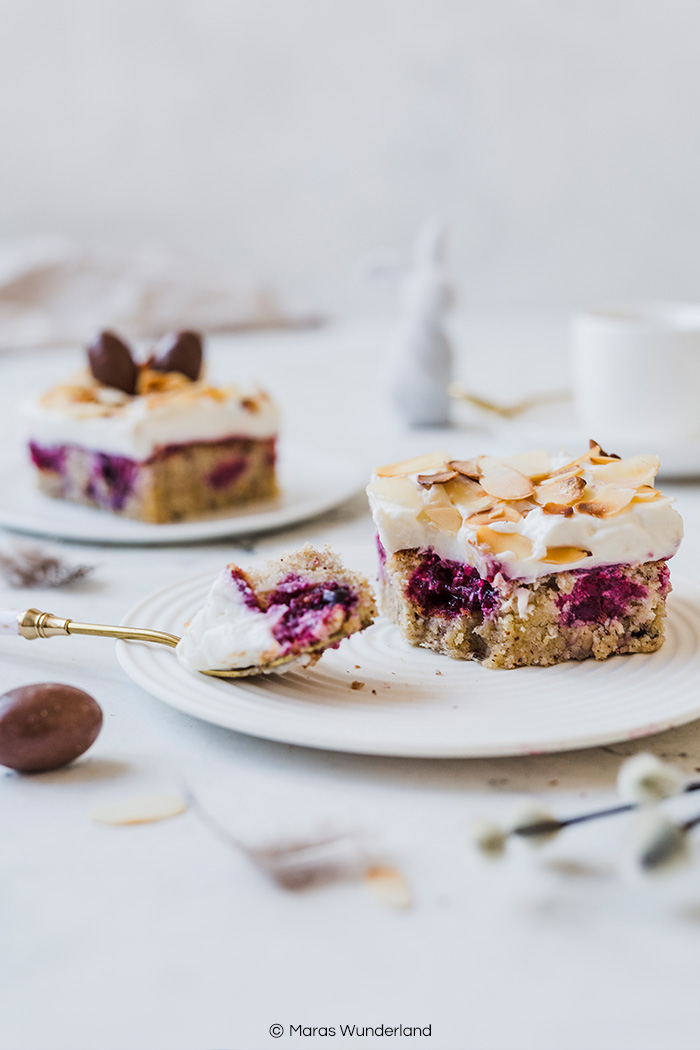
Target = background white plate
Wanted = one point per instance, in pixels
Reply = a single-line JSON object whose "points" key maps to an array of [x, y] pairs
{"points": [[417, 703], [305, 493]]}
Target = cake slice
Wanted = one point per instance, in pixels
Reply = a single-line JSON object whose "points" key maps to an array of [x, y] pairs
{"points": [[288, 611], [526, 560], [153, 440]]}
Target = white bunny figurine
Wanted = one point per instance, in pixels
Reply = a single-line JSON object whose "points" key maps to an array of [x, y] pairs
{"points": [[420, 368]]}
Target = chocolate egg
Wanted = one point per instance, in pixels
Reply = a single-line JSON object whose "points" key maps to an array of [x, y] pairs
{"points": [[179, 352], [45, 726], [111, 363]]}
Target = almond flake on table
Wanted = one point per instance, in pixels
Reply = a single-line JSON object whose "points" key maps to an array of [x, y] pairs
{"points": [[143, 809], [389, 887]]}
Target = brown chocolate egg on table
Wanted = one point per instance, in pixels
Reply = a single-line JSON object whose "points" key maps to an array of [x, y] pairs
{"points": [[46, 725]]}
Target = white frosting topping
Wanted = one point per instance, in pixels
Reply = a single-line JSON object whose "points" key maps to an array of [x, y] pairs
{"points": [[639, 532], [106, 420], [227, 633]]}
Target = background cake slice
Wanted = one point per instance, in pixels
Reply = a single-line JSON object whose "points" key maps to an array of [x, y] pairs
{"points": [[295, 606], [155, 440], [527, 560]]}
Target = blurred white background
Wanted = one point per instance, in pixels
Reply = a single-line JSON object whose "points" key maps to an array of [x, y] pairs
{"points": [[290, 138]]}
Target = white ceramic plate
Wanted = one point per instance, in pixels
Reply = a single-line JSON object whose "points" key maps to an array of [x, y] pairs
{"points": [[417, 703], [304, 494]]}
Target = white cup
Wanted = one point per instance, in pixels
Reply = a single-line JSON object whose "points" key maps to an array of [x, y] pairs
{"points": [[636, 373]]}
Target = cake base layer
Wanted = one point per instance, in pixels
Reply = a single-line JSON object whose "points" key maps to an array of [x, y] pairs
{"points": [[575, 615], [178, 483]]}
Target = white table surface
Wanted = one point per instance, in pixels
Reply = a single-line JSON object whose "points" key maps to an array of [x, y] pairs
{"points": [[160, 937]]}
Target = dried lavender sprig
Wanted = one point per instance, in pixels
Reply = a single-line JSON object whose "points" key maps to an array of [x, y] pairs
{"points": [[26, 566]]}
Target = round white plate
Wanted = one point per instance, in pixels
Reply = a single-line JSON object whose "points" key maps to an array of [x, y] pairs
{"points": [[416, 703], [304, 493]]}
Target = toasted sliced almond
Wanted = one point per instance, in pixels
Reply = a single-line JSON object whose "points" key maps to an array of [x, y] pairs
{"points": [[560, 490], [600, 451], [598, 461], [647, 494], [482, 518], [467, 500], [432, 461], [510, 513], [400, 490], [142, 810], [573, 472], [523, 506], [435, 496], [468, 467], [486, 462], [499, 542], [605, 500], [564, 555], [532, 464], [580, 461], [499, 512], [558, 508], [447, 519], [631, 472], [506, 483], [464, 489], [389, 886], [426, 480]]}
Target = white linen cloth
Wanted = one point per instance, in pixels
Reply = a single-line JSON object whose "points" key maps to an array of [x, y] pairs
{"points": [[54, 291]]}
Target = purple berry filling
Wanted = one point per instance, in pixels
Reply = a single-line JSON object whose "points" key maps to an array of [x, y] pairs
{"points": [[664, 581], [601, 595], [48, 458], [227, 472], [310, 607], [381, 551], [113, 479], [245, 445], [448, 588], [244, 587]]}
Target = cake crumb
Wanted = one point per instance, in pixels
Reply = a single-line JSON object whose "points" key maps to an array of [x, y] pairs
{"points": [[357, 685], [438, 672]]}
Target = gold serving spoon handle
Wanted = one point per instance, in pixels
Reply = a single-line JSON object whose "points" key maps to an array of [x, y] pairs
{"points": [[458, 391], [32, 623]]}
